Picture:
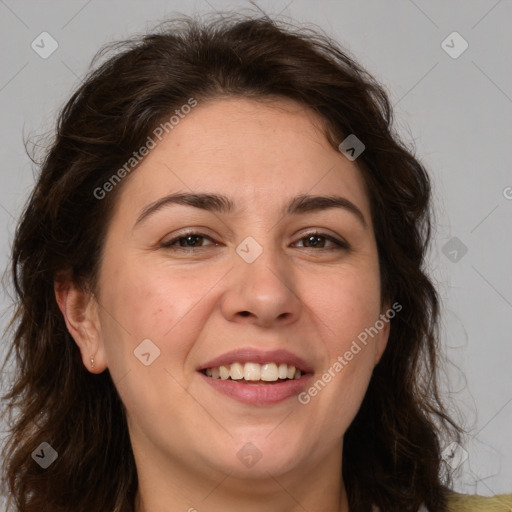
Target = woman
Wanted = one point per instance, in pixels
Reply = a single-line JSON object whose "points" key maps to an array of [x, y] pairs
{"points": [[222, 300]]}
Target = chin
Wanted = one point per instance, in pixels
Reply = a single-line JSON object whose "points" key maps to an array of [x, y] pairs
{"points": [[257, 453]]}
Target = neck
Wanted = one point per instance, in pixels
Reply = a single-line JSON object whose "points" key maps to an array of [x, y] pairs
{"points": [[163, 487], [280, 501]]}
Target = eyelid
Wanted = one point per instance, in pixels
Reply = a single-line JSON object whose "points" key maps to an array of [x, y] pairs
{"points": [[183, 234]]}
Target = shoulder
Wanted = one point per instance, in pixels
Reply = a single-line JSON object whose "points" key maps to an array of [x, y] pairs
{"points": [[466, 503]]}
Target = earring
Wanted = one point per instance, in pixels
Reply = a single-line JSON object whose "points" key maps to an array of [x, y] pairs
{"points": [[92, 362]]}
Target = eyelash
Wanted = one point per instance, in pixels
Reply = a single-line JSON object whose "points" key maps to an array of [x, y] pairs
{"points": [[340, 244]]}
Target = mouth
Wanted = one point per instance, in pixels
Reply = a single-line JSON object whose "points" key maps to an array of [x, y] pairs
{"points": [[255, 377]]}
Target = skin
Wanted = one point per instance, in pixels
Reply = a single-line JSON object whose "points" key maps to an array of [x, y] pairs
{"points": [[200, 304]]}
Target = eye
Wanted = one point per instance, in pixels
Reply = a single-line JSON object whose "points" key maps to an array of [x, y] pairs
{"points": [[191, 240], [318, 240], [194, 240]]}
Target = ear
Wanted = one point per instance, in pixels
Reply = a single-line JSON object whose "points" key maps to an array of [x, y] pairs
{"points": [[387, 313], [80, 311]]}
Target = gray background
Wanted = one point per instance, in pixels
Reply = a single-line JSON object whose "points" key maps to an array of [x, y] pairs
{"points": [[455, 111]]}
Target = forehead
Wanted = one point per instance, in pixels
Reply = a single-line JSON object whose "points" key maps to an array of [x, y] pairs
{"points": [[256, 152]]}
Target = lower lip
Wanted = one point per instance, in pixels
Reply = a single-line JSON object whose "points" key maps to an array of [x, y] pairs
{"points": [[258, 394]]}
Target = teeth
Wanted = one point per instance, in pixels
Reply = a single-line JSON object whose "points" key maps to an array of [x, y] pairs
{"points": [[268, 372], [236, 372], [224, 372], [252, 371]]}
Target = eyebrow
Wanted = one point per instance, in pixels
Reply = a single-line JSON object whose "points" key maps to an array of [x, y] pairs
{"points": [[218, 203]]}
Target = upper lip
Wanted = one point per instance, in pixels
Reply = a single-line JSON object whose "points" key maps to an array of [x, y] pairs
{"points": [[251, 355]]}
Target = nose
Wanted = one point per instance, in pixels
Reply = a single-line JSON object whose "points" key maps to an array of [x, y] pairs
{"points": [[261, 293]]}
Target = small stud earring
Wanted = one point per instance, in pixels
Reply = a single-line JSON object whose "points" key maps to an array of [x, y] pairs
{"points": [[92, 362]]}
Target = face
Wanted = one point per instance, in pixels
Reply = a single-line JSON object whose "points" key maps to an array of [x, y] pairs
{"points": [[191, 289]]}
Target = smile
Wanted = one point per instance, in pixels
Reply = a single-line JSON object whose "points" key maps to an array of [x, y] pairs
{"points": [[256, 377]]}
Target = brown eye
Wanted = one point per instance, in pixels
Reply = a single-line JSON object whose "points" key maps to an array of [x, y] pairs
{"points": [[314, 241], [187, 241], [319, 240]]}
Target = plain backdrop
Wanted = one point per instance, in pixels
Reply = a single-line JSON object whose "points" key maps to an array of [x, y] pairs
{"points": [[452, 104]]}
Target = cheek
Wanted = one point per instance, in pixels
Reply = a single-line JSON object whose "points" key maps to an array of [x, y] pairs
{"points": [[348, 306], [347, 302], [155, 311], [162, 304]]}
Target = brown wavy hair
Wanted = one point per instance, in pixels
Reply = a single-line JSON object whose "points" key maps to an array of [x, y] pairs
{"points": [[391, 454]]}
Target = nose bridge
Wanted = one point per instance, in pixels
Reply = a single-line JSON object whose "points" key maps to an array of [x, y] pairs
{"points": [[261, 283], [262, 262]]}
